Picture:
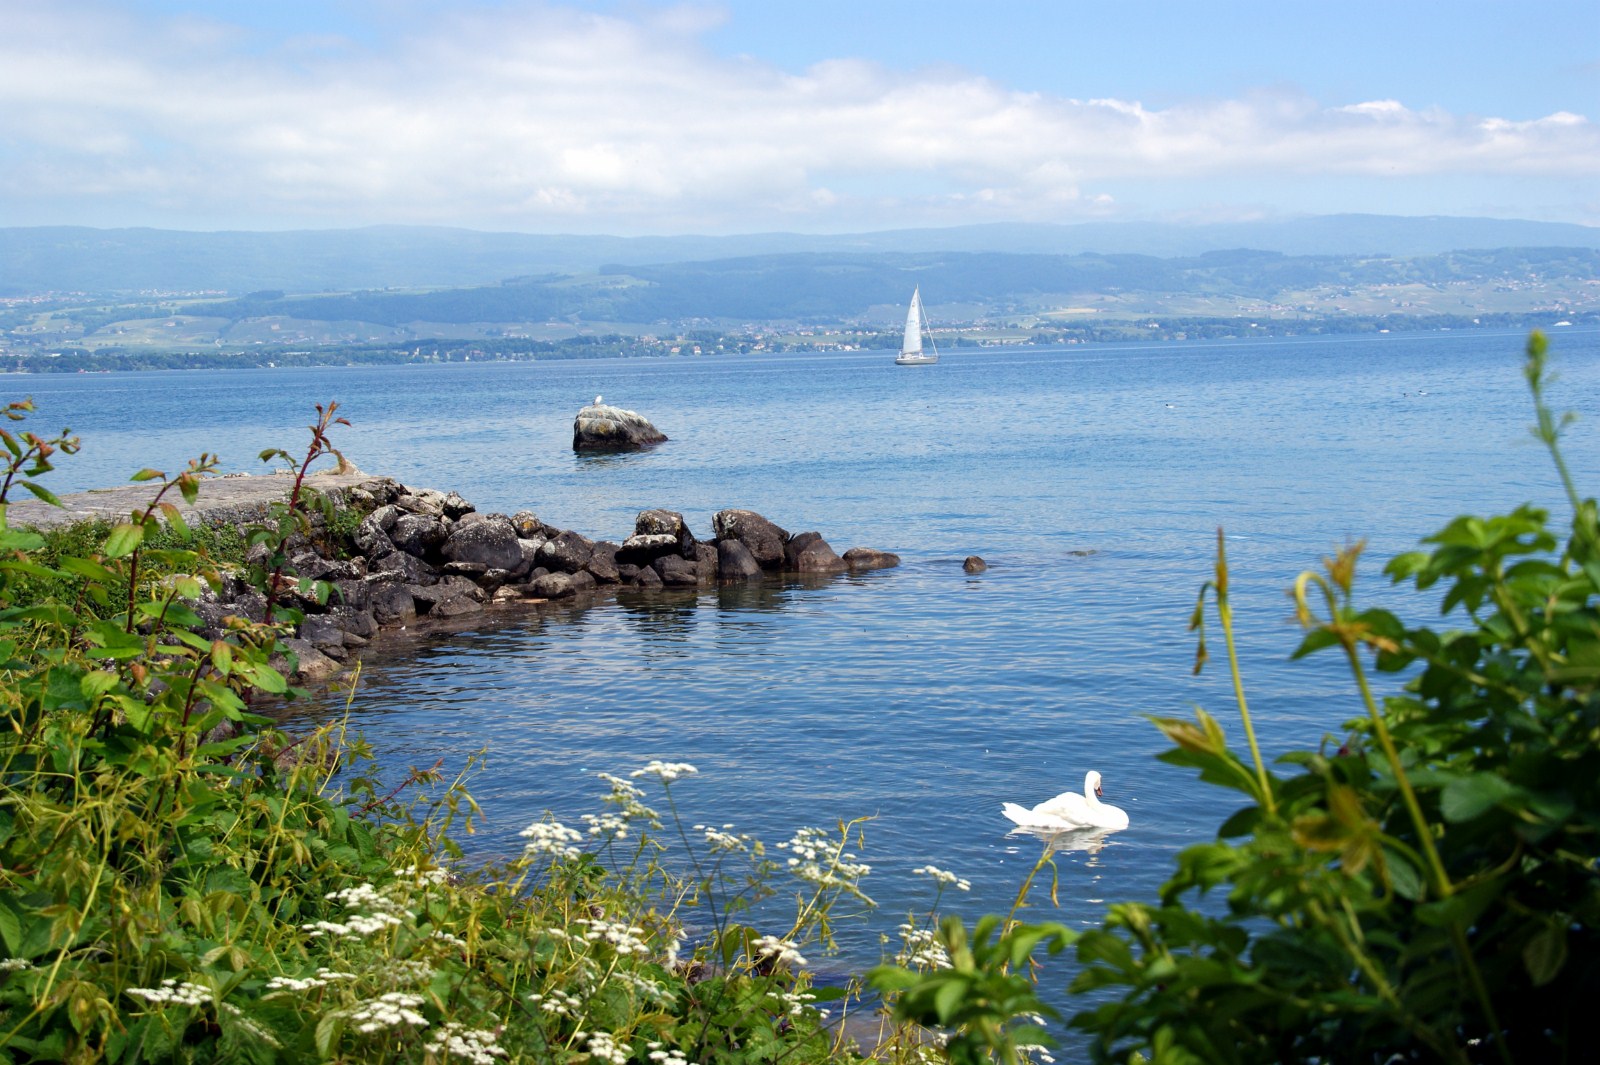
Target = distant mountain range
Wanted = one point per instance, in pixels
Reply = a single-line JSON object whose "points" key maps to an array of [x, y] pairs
{"points": [[36, 260]]}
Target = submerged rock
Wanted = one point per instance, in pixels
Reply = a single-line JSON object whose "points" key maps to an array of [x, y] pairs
{"points": [[974, 564], [602, 427]]}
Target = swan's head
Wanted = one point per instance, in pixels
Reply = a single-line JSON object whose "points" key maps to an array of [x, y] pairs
{"points": [[1091, 783]]}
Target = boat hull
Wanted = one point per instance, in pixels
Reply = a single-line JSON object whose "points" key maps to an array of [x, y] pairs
{"points": [[915, 359]]}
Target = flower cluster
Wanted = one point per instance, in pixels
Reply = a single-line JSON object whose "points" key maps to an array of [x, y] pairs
{"points": [[473, 1045], [603, 1047], [360, 924], [551, 837], [943, 877], [780, 950], [558, 1002], [665, 1055], [647, 988], [389, 1011], [815, 861], [625, 796], [666, 772], [406, 971], [624, 938], [607, 826], [793, 1001], [11, 965], [172, 992], [424, 877], [323, 978], [721, 840], [922, 948]]}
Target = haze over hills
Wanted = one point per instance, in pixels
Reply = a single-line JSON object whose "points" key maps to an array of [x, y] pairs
{"points": [[36, 260]]}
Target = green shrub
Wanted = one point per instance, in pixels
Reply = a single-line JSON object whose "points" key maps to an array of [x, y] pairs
{"points": [[175, 892], [1424, 888]]}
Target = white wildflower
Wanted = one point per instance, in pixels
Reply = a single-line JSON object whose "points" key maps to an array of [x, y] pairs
{"points": [[557, 1002], [793, 1001], [406, 971], [665, 1055], [722, 840], [607, 826], [323, 978], [551, 837], [474, 1045], [389, 1011], [172, 992], [424, 877], [448, 938], [647, 988], [815, 861], [603, 1047], [12, 965], [922, 948], [780, 950], [1035, 1052], [666, 772], [627, 939], [944, 877], [251, 1028], [625, 796]]}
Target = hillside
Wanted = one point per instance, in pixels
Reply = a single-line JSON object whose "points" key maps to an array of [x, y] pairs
{"points": [[36, 260]]}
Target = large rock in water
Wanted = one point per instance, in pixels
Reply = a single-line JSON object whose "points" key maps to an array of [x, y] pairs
{"points": [[601, 427], [764, 540]]}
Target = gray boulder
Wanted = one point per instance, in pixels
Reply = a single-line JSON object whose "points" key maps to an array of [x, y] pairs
{"points": [[569, 552], [607, 428], [764, 539], [676, 571], [490, 543], [397, 567], [551, 586], [666, 523], [603, 562], [419, 534], [868, 558], [455, 507], [818, 557], [455, 607], [392, 605], [641, 549], [735, 563]]}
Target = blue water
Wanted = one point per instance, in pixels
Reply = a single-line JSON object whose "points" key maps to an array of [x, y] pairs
{"points": [[1092, 479]]}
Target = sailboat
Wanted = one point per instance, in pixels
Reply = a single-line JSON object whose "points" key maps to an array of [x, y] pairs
{"points": [[911, 353]]}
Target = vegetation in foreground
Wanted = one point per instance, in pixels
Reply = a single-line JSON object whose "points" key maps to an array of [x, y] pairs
{"points": [[1424, 887]]}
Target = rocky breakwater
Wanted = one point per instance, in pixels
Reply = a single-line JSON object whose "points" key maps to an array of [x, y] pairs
{"points": [[422, 556]]}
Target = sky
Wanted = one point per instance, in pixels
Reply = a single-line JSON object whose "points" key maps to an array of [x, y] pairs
{"points": [[640, 117]]}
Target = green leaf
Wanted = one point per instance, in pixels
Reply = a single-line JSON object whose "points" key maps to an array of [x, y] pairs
{"points": [[147, 474], [1546, 953], [1466, 797], [43, 493], [175, 519], [124, 540], [950, 996], [1403, 876], [329, 1029]]}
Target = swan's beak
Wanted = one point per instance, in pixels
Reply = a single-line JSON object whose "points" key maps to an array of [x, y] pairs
{"points": [[1098, 792]]}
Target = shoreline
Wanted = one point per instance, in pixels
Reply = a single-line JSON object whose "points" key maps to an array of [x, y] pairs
{"points": [[397, 559]]}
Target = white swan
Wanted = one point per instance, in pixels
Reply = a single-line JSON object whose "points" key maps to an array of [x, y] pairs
{"points": [[596, 402], [1069, 810]]}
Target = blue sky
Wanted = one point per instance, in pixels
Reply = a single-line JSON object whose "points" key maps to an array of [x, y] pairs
{"points": [[639, 116]]}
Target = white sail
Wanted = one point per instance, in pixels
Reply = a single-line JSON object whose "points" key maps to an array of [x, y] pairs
{"points": [[912, 344]]}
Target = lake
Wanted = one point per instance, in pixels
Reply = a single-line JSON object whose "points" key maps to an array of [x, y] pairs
{"points": [[1092, 480]]}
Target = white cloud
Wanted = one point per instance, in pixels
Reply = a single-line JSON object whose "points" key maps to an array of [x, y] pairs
{"points": [[533, 116]]}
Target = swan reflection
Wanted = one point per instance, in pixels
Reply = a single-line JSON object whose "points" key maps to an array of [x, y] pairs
{"points": [[1057, 841]]}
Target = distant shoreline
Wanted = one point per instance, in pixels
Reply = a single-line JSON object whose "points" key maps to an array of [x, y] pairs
{"points": [[443, 352]]}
